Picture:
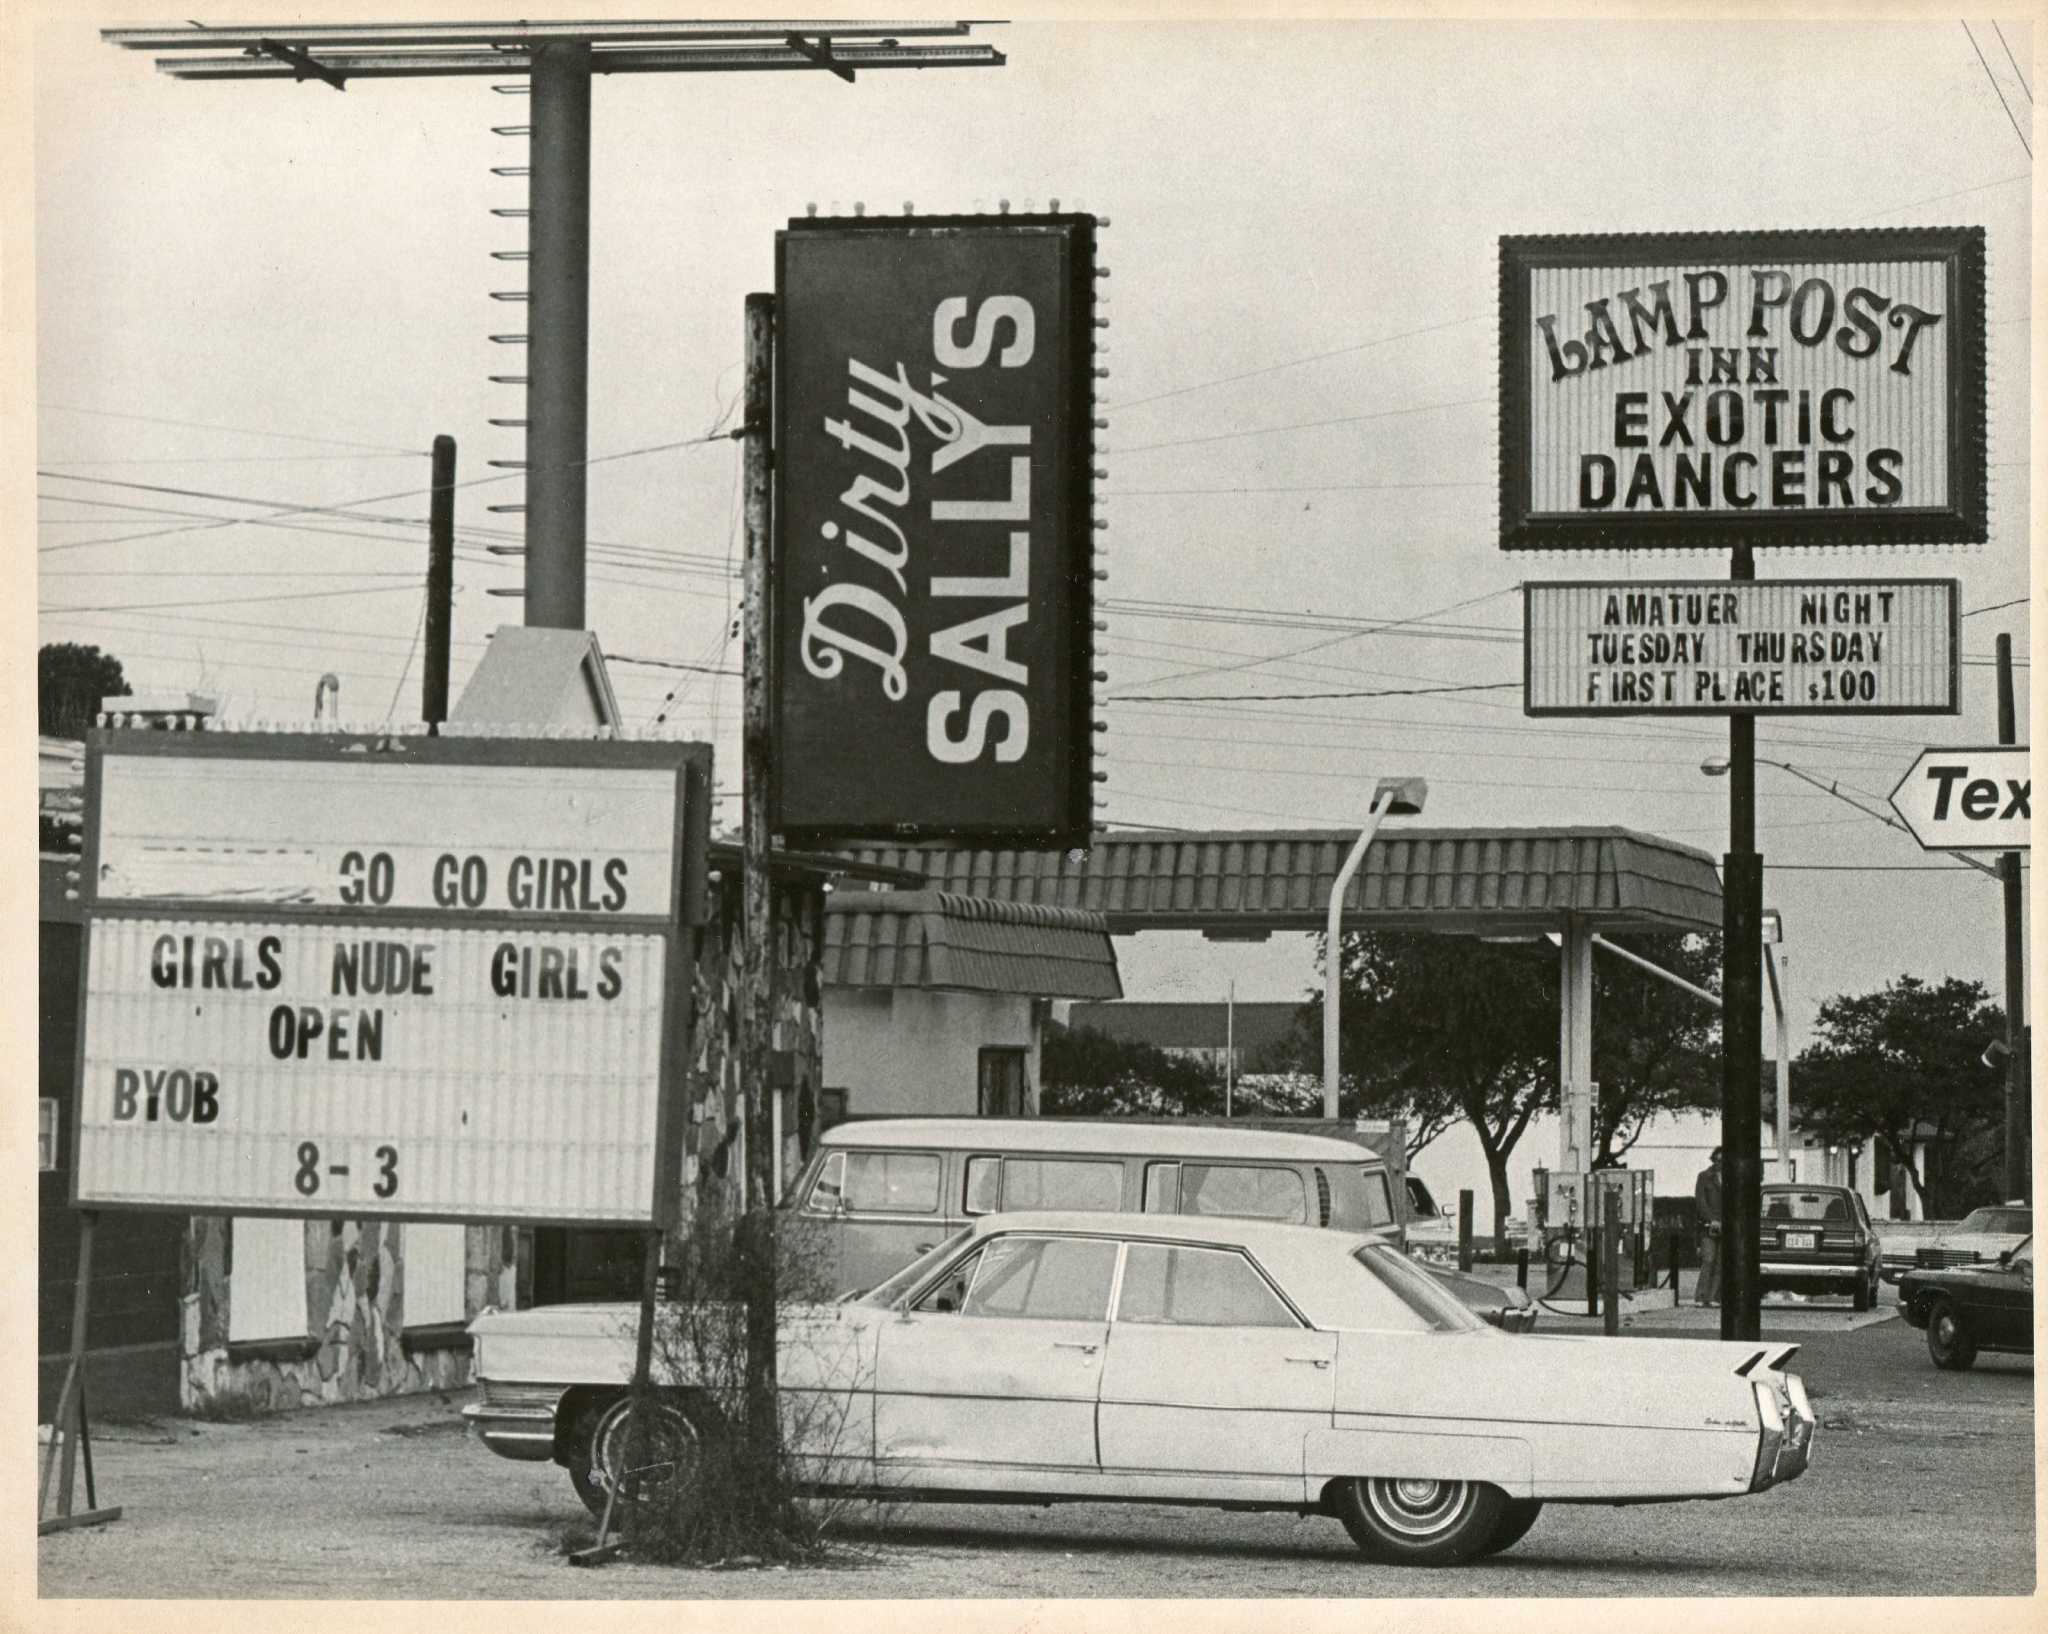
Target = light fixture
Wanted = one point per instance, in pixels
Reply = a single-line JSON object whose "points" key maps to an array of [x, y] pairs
{"points": [[1715, 765]]}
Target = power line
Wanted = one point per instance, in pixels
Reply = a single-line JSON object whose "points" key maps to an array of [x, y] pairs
{"points": [[247, 431], [229, 601], [1997, 606], [2017, 72], [1304, 425], [1294, 363], [1997, 90], [1294, 697]]}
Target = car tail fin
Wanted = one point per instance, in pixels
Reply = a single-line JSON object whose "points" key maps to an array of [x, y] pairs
{"points": [[1770, 1357]]}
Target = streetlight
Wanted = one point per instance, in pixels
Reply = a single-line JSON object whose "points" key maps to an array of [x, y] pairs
{"points": [[1774, 934], [1717, 766], [1391, 797]]}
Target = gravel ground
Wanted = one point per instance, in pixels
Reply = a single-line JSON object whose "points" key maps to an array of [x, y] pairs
{"points": [[1923, 1483]]}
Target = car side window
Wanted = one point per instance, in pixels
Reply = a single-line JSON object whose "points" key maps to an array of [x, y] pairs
{"points": [[984, 1185], [828, 1191], [1062, 1183], [949, 1293], [1162, 1188], [892, 1182], [1051, 1279], [1243, 1192], [1199, 1288]]}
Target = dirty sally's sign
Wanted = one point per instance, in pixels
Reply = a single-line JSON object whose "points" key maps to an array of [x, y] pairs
{"points": [[931, 607], [1743, 388]]}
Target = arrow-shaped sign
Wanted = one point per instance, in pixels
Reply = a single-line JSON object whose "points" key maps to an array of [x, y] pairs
{"points": [[1968, 799]]}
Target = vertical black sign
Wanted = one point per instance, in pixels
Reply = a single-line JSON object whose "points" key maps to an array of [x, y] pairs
{"points": [[930, 605]]}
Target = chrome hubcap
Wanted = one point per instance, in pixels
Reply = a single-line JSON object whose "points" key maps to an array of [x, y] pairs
{"points": [[1415, 1508]]}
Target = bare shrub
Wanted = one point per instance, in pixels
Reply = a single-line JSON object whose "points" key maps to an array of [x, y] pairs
{"points": [[711, 1492]]}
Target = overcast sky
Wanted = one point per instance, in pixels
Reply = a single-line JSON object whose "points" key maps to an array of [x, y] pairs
{"points": [[271, 296]]}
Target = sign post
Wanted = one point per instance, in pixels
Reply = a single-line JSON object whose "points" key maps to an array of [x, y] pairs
{"points": [[1734, 390]]}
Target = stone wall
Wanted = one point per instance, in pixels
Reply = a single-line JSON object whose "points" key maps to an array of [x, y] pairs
{"points": [[356, 1345]]}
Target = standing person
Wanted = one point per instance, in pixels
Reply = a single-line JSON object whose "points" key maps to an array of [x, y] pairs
{"points": [[1706, 1199]]}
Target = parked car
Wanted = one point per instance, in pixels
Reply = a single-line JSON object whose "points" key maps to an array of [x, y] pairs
{"points": [[1981, 1235], [1049, 1357], [1818, 1239], [885, 1189], [1968, 1308]]}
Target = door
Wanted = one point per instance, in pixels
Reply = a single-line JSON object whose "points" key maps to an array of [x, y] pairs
{"points": [[992, 1377], [2010, 1321], [1211, 1377]]}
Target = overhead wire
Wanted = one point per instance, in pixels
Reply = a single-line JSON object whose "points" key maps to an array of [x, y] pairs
{"points": [[1997, 90]]}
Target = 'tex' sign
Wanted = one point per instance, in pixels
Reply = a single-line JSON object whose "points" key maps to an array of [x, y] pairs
{"points": [[1968, 799]]}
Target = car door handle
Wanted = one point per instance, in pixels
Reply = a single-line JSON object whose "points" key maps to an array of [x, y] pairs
{"points": [[1312, 1361], [1075, 1344]]}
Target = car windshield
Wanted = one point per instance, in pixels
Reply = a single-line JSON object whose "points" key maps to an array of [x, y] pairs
{"points": [[1997, 1220], [888, 1293], [1417, 1289], [1795, 1203]]}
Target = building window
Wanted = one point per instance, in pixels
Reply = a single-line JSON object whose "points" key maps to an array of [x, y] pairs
{"points": [[46, 1134], [1001, 1090], [433, 1274], [267, 1292]]}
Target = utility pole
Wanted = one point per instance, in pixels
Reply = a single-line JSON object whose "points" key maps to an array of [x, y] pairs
{"points": [[1742, 914], [2018, 1069], [558, 334], [440, 583], [757, 1227]]}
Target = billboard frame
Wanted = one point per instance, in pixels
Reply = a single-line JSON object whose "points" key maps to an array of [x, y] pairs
{"points": [[688, 910], [1963, 520], [1076, 496], [1595, 712]]}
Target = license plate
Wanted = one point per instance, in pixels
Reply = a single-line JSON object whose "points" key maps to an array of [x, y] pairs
{"points": [[1801, 1239]]}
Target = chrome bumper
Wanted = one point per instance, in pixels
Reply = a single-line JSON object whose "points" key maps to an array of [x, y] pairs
{"points": [[515, 1421]]}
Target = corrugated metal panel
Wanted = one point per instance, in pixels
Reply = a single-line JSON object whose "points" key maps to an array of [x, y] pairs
{"points": [[456, 1101], [1420, 879], [938, 939]]}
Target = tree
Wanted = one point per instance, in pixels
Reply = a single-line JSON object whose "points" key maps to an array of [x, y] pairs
{"points": [[1904, 1065], [72, 682], [1443, 1029], [1436, 1029], [1086, 1073], [1656, 1048]]}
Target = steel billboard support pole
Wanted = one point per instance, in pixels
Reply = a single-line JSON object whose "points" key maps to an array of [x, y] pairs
{"points": [[1575, 1049], [558, 335], [757, 1231], [1782, 1124], [2018, 1069], [440, 583], [1742, 915]]}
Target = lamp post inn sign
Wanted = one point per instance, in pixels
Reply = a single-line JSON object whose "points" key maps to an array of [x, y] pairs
{"points": [[1703, 391]]}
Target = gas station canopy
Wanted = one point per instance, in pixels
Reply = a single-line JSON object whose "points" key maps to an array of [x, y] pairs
{"points": [[1245, 884]]}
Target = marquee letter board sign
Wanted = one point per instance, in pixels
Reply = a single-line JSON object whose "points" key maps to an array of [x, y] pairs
{"points": [[429, 978], [931, 607], [1696, 390], [1763, 646]]}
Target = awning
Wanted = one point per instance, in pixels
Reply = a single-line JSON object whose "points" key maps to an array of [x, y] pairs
{"points": [[1492, 881], [934, 939]]}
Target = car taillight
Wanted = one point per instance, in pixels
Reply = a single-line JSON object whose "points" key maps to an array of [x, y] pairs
{"points": [[1771, 1436]]}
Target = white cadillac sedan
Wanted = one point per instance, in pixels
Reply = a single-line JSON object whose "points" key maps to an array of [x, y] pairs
{"points": [[1175, 1359]]}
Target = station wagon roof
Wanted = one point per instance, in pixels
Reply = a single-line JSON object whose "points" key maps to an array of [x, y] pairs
{"points": [[1039, 1135]]}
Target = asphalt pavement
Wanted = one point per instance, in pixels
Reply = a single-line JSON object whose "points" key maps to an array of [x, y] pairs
{"points": [[1922, 1484]]}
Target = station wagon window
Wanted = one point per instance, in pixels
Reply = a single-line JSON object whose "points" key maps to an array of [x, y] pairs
{"points": [[1162, 1188], [1052, 1279], [1197, 1288], [1243, 1193], [877, 1183], [1061, 1183], [984, 1185], [1379, 1200]]}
